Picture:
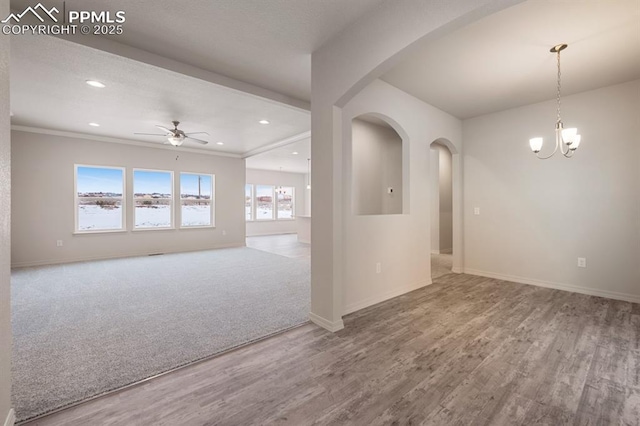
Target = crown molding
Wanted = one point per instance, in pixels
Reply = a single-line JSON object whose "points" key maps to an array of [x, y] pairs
{"points": [[121, 141]]}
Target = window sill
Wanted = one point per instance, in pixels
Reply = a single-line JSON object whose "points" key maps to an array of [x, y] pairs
{"points": [[198, 227], [106, 231], [272, 220], [152, 229]]}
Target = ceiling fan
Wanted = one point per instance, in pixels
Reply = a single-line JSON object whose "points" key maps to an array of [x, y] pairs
{"points": [[175, 136]]}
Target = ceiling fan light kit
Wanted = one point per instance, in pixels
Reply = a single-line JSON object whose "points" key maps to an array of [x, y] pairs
{"points": [[175, 136], [568, 140]]}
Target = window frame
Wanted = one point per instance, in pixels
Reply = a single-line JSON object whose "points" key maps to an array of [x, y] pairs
{"points": [[274, 214], [212, 214], [172, 204], [252, 201], [123, 200], [293, 203]]}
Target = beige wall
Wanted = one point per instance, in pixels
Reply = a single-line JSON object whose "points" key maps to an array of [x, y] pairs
{"points": [[377, 165], [268, 177], [537, 217], [43, 170], [401, 243], [5, 225]]}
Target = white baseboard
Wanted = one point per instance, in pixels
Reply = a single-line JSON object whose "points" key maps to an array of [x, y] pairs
{"points": [[356, 306], [332, 326], [457, 270], [117, 256], [627, 297], [11, 418], [435, 251], [446, 251]]}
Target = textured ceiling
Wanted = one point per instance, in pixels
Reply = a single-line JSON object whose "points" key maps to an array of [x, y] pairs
{"points": [[267, 43], [48, 90], [283, 158], [503, 60]]}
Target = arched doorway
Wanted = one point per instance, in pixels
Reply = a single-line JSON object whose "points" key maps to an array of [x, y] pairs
{"points": [[445, 208]]}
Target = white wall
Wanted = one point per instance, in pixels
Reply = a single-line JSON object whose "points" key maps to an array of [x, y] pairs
{"points": [[445, 200], [307, 194], [341, 68], [537, 217], [268, 177], [5, 226], [377, 165], [43, 195], [401, 243]]}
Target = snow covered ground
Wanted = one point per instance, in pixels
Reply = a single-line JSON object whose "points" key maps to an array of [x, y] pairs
{"points": [[96, 218], [158, 216], [196, 215]]}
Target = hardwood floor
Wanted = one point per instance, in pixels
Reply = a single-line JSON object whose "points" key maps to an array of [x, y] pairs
{"points": [[285, 245], [464, 351]]}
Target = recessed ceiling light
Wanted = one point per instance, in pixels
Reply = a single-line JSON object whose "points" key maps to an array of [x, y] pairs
{"points": [[219, 143], [95, 83], [263, 121], [295, 153], [94, 124]]}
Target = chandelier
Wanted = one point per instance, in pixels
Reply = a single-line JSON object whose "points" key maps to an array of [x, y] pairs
{"points": [[568, 140]]}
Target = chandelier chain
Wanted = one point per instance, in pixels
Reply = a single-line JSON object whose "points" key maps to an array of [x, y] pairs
{"points": [[559, 87]]}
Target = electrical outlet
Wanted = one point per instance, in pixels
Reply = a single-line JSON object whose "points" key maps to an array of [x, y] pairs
{"points": [[582, 262], [224, 232], [58, 243], [476, 211], [378, 268]]}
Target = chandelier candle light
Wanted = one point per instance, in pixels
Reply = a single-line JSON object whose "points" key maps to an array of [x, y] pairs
{"points": [[567, 139]]}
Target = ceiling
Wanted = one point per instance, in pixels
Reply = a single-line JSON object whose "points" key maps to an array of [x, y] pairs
{"points": [[48, 91], [265, 43], [503, 60], [283, 159]]}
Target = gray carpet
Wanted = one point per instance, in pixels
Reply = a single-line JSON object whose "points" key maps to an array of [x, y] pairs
{"points": [[86, 328]]}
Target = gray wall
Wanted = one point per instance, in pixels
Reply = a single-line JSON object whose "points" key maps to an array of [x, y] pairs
{"points": [[43, 170], [377, 165], [441, 186], [5, 225], [268, 177], [445, 202], [537, 217]]}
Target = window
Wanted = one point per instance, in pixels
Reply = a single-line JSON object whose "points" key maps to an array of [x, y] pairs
{"points": [[153, 199], [264, 202], [196, 196], [248, 202], [285, 202], [99, 194]]}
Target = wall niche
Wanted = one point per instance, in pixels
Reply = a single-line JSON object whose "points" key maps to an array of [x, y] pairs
{"points": [[376, 167]]}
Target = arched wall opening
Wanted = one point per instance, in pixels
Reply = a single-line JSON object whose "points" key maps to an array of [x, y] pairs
{"points": [[341, 70], [442, 154], [377, 166]]}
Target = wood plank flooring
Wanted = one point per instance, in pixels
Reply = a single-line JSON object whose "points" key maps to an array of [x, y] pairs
{"points": [[464, 351]]}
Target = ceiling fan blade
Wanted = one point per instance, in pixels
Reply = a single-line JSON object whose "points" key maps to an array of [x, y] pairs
{"points": [[150, 134], [197, 140], [164, 129], [197, 133]]}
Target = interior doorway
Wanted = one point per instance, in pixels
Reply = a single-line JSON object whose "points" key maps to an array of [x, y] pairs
{"points": [[441, 173]]}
